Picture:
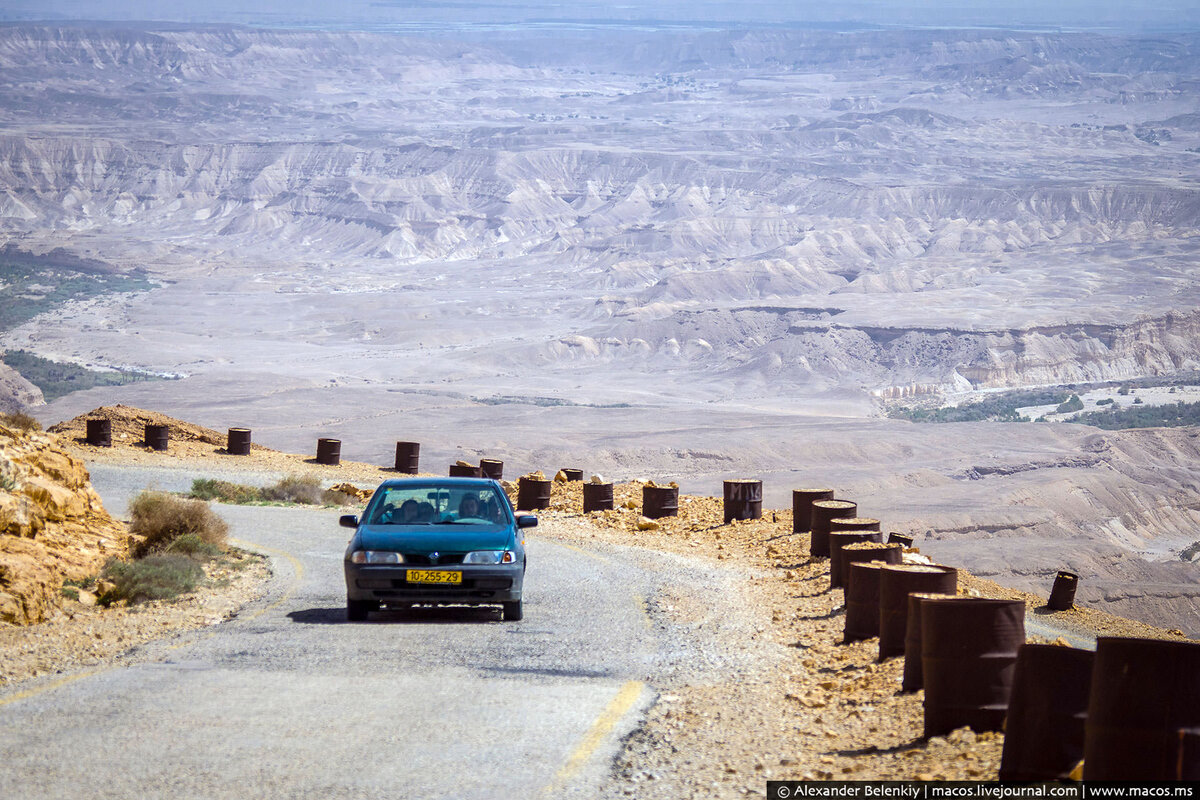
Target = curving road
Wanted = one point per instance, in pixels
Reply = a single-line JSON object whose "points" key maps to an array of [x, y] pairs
{"points": [[288, 700]]}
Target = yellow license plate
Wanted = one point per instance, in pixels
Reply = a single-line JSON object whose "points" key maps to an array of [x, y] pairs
{"points": [[433, 576]]}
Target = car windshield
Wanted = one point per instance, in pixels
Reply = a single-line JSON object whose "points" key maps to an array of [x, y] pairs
{"points": [[439, 505]]}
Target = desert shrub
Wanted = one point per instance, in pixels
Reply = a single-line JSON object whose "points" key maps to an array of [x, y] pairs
{"points": [[20, 421], [7, 482], [332, 497], [1137, 401], [161, 576], [296, 489], [159, 519], [190, 544], [224, 491], [1073, 403]]}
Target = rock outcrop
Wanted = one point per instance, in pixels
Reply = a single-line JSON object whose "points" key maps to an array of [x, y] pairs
{"points": [[16, 393], [53, 526]]}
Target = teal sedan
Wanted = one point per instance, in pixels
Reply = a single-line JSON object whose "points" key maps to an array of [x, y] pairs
{"points": [[444, 541]]}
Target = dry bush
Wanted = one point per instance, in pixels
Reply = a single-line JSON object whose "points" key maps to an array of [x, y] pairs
{"points": [[159, 519], [296, 489], [20, 421], [156, 577], [224, 491]]}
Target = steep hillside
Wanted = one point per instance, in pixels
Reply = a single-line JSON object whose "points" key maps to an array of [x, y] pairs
{"points": [[53, 526]]}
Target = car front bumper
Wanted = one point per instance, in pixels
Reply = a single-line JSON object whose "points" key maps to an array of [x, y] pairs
{"points": [[389, 584]]}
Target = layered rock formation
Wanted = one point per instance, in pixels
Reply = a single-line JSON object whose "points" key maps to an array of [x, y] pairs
{"points": [[16, 393], [53, 526]]}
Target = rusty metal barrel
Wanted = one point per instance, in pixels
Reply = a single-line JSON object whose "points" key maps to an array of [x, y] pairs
{"points": [[1043, 735], [464, 471], [802, 500], [1144, 691], [901, 539], [837, 541], [572, 474], [237, 442], [660, 501], [1188, 763], [896, 583], [862, 601], [844, 531], [822, 512], [868, 551], [913, 677], [157, 437], [1062, 596], [743, 500], [968, 656], [408, 456], [329, 452], [533, 494], [491, 468], [99, 432], [597, 497]]}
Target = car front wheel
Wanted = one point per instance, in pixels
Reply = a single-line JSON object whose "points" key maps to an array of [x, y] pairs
{"points": [[513, 611], [356, 610]]}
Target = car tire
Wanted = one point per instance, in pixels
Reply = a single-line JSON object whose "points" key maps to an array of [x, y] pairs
{"points": [[513, 612], [357, 610]]}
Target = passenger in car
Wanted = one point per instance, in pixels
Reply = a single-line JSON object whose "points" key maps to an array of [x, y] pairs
{"points": [[468, 507]]}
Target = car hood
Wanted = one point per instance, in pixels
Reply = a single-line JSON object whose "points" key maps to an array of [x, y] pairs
{"points": [[445, 538]]}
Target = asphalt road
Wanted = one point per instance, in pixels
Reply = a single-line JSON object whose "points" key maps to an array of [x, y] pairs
{"points": [[289, 700]]}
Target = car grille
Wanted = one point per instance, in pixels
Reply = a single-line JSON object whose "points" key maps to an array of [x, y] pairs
{"points": [[422, 559]]}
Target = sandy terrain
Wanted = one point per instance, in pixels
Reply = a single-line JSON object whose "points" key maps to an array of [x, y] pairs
{"points": [[687, 255]]}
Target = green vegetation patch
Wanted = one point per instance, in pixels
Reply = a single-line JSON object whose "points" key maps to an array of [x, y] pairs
{"points": [[1000, 407], [32, 284], [160, 520], [1172, 415], [56, 380]]}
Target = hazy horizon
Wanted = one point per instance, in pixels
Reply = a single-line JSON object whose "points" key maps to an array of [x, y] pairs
{"points": [[431, 16]]}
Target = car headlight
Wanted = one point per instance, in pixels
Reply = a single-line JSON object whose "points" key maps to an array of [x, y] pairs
{"points": [[375, 557], [490, 557]]}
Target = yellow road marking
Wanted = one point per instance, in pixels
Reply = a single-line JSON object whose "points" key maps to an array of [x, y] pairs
{"points": [[291, 559], [643, 607], [618, 707], [12, 698], [587, 553]]}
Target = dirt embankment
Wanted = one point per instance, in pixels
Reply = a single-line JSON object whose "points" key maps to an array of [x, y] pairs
{"points": [[53, 526]]}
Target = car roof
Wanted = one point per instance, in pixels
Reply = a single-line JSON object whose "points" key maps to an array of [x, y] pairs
{"points": [[438, 482]]}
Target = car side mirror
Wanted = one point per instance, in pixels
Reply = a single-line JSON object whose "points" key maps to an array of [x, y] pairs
{"points": [[348, 521], [527, 521]]}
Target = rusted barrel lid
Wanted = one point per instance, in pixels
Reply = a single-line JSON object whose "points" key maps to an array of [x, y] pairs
{"points": [[157, 437], [238, 442], [913, 678], [968, 656], [572, 474], [491, 468], [857, 552], [660, 501], [1144, 691], [464, 471], [862, 601], [822, 512], [802, 500], [1043, 734], [329, 452], [597, 497], [742, 500], [837, 541], [99, 432], [1062, 595], [533, 494], [408, 456], [896, 583]]}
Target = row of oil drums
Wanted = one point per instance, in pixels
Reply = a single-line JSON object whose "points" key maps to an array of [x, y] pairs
{"points": [[1130, 710]]}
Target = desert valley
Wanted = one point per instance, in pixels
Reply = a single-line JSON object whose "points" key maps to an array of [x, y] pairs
{"points": [[677, 252]]}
